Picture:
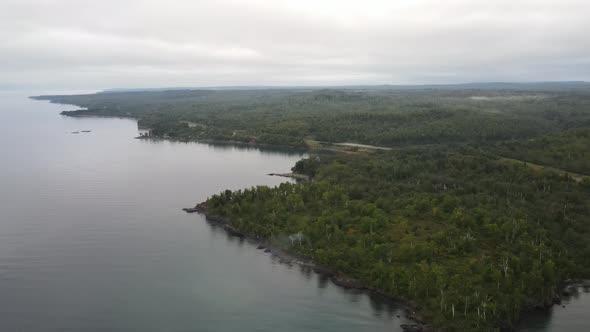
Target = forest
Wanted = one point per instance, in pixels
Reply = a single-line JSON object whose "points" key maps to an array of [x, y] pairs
{"points": [[568, 150], [470, 239], [478, 210], [378, 117]]}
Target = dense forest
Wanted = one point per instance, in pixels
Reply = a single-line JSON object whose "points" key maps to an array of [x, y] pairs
{"points": [[376, 117], [568, 150], [479, 209], [472, 240]]}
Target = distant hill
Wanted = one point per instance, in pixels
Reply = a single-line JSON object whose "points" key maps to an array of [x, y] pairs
{"points": [[524, 86]]}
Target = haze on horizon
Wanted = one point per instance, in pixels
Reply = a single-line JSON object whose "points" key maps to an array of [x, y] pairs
{"points": [[66, 44]]}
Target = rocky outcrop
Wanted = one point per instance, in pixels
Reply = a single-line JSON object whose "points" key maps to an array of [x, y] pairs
{"points": [[291, 175], [200, 207], [346, 282]]}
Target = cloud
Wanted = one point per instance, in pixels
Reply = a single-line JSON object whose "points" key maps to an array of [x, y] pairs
{"points": [[101, 44]]}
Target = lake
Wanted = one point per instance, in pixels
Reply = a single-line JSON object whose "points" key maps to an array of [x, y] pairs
{"points": [[92, 236]]}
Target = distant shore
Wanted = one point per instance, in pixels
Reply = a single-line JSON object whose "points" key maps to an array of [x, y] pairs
{"points": [[295, 176], [290, 259]]}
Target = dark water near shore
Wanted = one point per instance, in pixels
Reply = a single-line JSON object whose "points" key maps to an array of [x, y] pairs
{"points": [[92, 237], [571, 315]]}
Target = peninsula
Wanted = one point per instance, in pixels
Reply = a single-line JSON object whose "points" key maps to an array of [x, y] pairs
{"points": [[471, 203]]}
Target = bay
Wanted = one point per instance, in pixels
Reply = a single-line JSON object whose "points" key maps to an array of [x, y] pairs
{"points": [[92, 237]]}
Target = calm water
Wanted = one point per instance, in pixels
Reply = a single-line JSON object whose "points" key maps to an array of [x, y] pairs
{"points": [[92, 237]]}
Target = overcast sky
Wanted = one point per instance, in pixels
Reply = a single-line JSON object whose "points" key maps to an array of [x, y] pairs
{"points": [[76, 44]]}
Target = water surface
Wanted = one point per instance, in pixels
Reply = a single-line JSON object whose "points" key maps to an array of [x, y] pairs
{"points": [[92, 237]]}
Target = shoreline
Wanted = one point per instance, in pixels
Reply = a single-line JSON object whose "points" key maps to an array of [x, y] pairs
{"points": [[260, 146], [337, 147], [334, 147], [566, 287], [296, 176], [340, 280], [290, 259]]}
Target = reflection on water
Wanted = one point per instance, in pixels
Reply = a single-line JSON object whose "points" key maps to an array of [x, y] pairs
{"points": [[570, 315], [231, 146], [381, 306], [262, 148]]}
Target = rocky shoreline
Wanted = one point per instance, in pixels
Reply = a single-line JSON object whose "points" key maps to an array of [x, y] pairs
{"points": [[419, 325], [295, 176]]}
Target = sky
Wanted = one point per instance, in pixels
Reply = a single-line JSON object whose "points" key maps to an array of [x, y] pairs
{"points": [[77, 44]]}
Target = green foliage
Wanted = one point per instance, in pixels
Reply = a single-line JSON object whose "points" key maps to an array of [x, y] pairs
{"points": [[472, 240], [307, 166], [376, 117], [569, 150]]}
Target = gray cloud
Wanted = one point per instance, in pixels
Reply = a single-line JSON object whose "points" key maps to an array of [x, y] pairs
{"points": [[100, 44]]}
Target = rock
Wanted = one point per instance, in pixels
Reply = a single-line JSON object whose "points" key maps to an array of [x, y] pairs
{"points": [[346, 282], [295, 176], [411, 328], [260, 247], [322, 270], [232, 231], [417, 327], [267, 250], [201, 208], [413, 316]]}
